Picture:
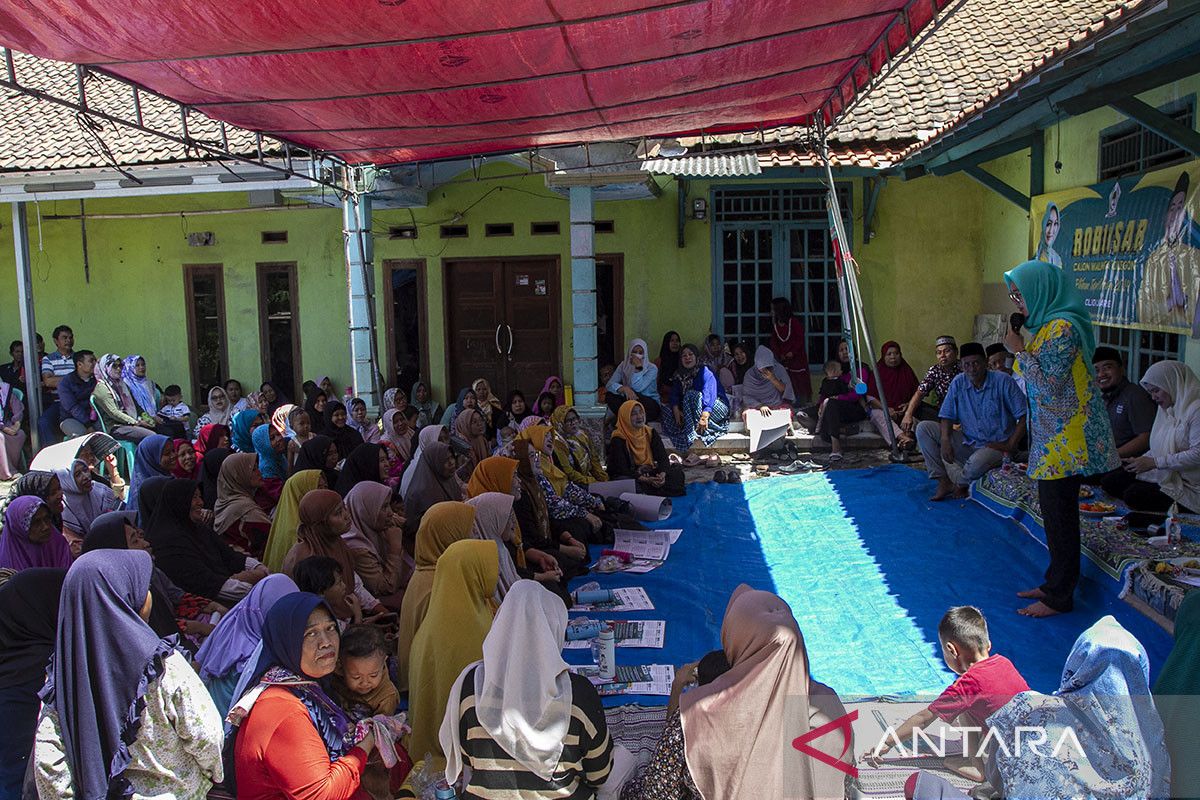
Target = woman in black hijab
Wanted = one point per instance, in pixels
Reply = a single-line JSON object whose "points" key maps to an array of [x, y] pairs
{"points": [[28, 621], [337, 429], [320, 453]]}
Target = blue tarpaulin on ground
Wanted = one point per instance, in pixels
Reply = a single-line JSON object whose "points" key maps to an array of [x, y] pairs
{"points": [[869, 566]]}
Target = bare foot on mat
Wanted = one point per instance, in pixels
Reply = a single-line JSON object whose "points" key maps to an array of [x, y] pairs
{"points": [[1032, 594], [945, 489], [1038, 610]]}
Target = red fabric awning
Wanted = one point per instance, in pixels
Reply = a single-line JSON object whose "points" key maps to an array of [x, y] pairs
{"points": [[389, 81]]}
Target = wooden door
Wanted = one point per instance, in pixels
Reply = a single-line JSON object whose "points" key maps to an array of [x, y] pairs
{"points": [[502, 321]]}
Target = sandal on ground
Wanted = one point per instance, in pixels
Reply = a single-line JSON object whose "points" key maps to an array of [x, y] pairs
{"points": [[674, 458], [693, 460], [720, 476], [836, 456]]}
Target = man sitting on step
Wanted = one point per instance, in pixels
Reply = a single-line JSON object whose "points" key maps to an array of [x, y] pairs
{"points": [[990, 412]]}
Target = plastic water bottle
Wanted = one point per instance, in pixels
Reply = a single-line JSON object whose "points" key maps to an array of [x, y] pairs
{"points": [[349, 395], [444, 791], [606, 653], [1174, 528]]}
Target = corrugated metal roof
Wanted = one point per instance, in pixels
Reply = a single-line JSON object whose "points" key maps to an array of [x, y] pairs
{"points": [[715, 165]]}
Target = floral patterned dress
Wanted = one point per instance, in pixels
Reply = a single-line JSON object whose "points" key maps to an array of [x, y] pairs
{"points": [[1069, 431]]}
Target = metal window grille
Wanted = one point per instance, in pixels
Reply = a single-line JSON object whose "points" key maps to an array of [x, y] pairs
{"points": [[1140, 349], [773, 242], [1131, 148]]}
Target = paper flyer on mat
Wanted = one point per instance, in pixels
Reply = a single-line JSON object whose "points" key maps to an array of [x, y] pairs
{"points": [[653, 679], [648, 548], [765, 431], [613, 488], [628, 598], [630, 633]]}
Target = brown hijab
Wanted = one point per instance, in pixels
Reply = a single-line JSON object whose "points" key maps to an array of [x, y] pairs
{"points": [[477, 441], [235, 494], [315, 538], [768, 697]]}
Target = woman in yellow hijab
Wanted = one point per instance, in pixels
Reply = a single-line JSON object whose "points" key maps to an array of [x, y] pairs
{"points": [[574, 452], [443, 525], [450, 637], [287, 515], [492, 474]]}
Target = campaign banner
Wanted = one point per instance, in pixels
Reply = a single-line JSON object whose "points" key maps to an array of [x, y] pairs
{"points": [[1132, 246]]}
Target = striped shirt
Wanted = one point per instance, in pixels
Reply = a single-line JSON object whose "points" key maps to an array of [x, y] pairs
{"points": [[584, 765], [58, 365]]}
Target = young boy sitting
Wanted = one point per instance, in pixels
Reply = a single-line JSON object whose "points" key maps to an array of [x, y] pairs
{"points": [[173, 406], [986, 683], [831, 386], [322, 576], [361, 681]]}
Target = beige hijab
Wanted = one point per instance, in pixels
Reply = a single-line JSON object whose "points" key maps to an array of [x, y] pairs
{"points": [[235, 495], [768, 700]]}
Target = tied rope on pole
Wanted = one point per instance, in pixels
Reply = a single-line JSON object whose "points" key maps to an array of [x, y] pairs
{"points": [[858, 336]]}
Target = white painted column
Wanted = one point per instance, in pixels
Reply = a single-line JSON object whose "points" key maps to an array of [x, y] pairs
{"points": [[360, 279], [583, 301], [33, 369]]}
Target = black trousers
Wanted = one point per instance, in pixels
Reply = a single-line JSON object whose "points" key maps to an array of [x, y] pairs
{"points": [[838, 413], [1059, 500], [614, 401], [1148, 502]]}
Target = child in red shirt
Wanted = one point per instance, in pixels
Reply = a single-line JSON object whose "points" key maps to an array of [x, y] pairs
{"points": [[986, 683]]}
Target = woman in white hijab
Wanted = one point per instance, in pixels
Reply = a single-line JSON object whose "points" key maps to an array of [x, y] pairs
{"points": [[219, 412], [495, 521], [428, 435], [519, 715], [1170, 473], [635, 378]]}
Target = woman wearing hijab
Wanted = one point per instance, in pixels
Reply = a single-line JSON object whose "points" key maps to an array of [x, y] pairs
{"points": [[237, 516], [242, 429], [667, 362], [173, 610], [896, 378], [83, 498], [287, 515], [635, 378], [518, 716], [574, 452], [400, 434], [517, 407], [554, 387], [147, 395], [1176, 693], [155, 456], [718, 359], [293, 741], [494, 415], [1104, 699], [315, 404], [470, 433], [494, 474], [444, 524], [344, 437], [428, 411], [191, 555], [495, 522], [323, 520], [319, 453], [1069, 431], [434, 481], [450, 636], [186, 463], [637, 451], [29, 538], [28, 620], [359, 422], [12, 438], [572, 508], [466, 399], [1169, 474], [114, 401], [210, 475], [376, 542], [426, 436], [367, 462], [219, 411], [768, 697], [551, 552], [211, 437], [228, 648], [699, 408], [123, 713]]}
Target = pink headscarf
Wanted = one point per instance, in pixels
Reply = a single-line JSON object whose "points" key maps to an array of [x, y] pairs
{"points": [[561, 397]]}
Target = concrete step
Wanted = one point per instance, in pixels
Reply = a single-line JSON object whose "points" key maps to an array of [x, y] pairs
{"points": [[740, 442]]}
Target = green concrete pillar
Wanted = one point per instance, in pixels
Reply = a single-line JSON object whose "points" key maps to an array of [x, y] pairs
{"points": [[583, 301]]}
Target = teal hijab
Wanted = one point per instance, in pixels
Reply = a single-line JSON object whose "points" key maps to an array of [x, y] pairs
{"points": [[1050, 294], [1177, 695]]}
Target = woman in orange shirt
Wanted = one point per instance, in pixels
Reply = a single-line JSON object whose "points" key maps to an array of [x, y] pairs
{"points": [[294, 742]]}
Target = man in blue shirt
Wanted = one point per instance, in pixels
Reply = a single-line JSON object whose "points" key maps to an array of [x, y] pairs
{"points": [[990, 410]]}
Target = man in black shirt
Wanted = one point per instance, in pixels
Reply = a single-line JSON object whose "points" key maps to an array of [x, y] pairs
{"points": [[1130, 409]]}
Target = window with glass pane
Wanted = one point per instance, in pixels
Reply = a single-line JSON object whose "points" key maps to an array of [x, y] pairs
{"points": [[772, 242], [204, 285], [1140, 349], [278, 331]]}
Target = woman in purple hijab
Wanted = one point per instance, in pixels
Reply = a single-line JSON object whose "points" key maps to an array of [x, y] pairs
{"points": [[29, 538], [228, 648]]}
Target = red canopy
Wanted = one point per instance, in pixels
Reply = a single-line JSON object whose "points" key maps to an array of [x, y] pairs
{"points": [[389, 81]]}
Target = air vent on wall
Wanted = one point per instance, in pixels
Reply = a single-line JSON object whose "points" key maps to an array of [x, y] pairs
{"points": [[498, 229], [543, 228], [402, 232], [605, 226], [454, 232], [274, 237]]}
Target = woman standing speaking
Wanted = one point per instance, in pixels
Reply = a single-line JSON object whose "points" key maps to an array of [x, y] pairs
{"points": [[1069, 433]]}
